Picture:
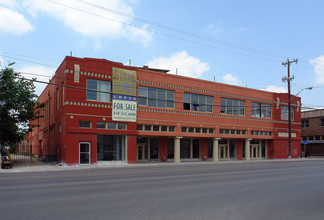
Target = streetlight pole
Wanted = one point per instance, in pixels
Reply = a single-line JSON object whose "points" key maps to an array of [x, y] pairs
{"points": [[288, 62]]}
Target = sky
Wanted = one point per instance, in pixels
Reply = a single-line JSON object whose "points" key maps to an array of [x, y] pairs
{"points": [[242, 43]]}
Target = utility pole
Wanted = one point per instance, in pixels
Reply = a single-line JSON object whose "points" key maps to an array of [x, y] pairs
{"points": [[288, 79]]}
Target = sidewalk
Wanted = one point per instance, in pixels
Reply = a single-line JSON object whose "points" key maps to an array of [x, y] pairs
{"points": [[63, 167]]}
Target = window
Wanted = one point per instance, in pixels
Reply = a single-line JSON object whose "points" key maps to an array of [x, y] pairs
{"points": [[232, 106], [121, 126], [261, 110], [98, 90], [195, 102], [57, 99], [305, 123], [111, 147], [322, 122], [171, 128], [284, 113], [111, 125], [154, 97], [101, 124], [84, 124]]}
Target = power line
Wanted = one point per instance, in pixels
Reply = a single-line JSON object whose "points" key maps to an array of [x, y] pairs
{"points": [[182, 32], [28, 61]]}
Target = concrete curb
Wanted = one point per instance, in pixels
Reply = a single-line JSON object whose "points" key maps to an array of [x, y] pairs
{"points": [[63, 167]]}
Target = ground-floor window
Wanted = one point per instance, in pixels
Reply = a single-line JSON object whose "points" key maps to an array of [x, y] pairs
{"points": [[111, 147], [210, 148], [264, 148], [232, 149], [170, 148], [189, 148], [154, 148], [185, 148]]}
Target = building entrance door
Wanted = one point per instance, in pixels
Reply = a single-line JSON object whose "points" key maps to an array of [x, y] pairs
{"points": [[223, 152], [255, 151], [142, 152], [84, 152]]}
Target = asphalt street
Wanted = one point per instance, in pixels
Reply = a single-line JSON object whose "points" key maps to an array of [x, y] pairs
{"points": [[247, 190]]}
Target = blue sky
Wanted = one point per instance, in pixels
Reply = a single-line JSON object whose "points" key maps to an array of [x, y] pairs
{"points": [[236, 42]]}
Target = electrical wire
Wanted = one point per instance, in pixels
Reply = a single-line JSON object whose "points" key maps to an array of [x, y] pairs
{"points": [[183, 39]]}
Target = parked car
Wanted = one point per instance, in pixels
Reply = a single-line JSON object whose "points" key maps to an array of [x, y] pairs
{"points": [[6, 161]]}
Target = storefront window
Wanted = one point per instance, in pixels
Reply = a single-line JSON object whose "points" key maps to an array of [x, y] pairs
{"points": [[195, 148], [170, 148], [185, 148], [210, 148], [154, 148], [110, 147]]}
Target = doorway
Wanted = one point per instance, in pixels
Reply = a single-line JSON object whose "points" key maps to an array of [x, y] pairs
{"points": [[142, 152], [223, 152], [84, 153], [255, 151]]}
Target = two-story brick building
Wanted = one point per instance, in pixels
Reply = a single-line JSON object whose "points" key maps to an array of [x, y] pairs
{"points": [[312, 132], [99, 111]]}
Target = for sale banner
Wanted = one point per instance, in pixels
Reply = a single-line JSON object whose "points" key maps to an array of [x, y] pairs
{"points": [[124, 102]]}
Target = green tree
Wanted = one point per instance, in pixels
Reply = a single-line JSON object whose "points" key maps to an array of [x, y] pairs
{"points": [[18, 106]]}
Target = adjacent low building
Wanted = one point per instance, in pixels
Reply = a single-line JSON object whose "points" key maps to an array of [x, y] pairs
{"points": [[99, 111], [313, 132]]}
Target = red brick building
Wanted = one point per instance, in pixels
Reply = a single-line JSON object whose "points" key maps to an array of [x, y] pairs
{"points": [[312, 132], [99, 111]]}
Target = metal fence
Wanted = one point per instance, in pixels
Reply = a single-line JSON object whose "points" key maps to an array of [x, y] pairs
{"points": [[26, 155]]}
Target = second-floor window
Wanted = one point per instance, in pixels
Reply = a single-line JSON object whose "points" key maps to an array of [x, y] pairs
{"points": [[196, 102], [98, 90], [261, 110], [322, 122], [232, 106], [305, 124], [284, 113], [155, 97]]}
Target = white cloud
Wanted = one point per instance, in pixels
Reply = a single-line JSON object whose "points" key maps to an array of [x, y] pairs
{"points": [[140, 34], [46, 73], [318, 65], [91, 21], [13, 22], [214, 29], [277, 89], [230, 79], [9, 3], [183, 63]]}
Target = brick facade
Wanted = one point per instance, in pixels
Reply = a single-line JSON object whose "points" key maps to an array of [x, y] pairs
{"points": [[313, 132], [231, 120]]}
